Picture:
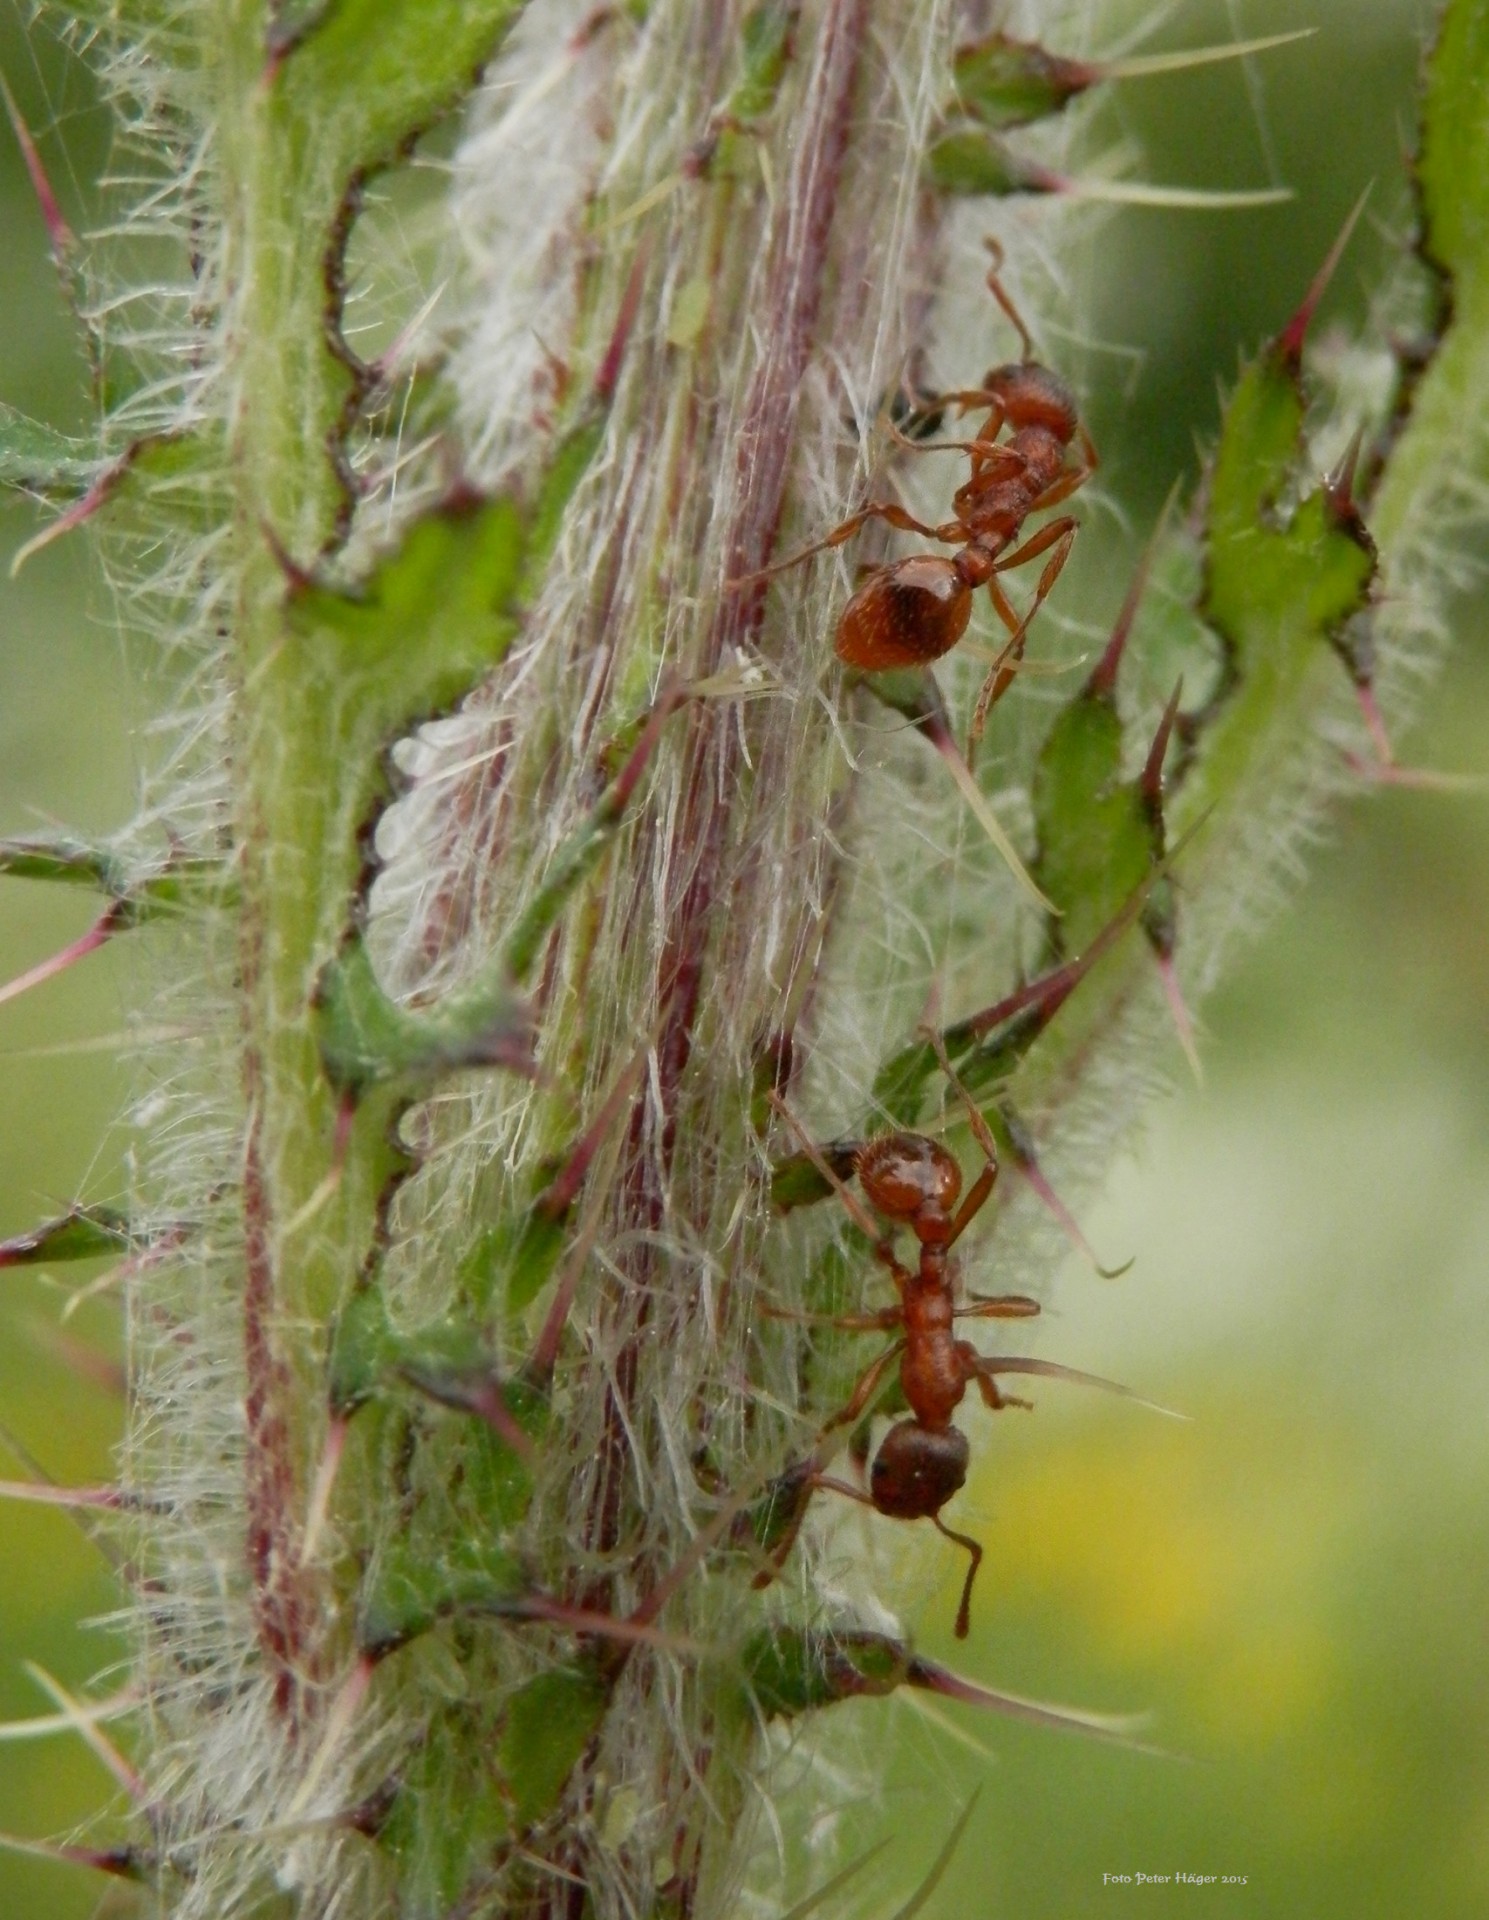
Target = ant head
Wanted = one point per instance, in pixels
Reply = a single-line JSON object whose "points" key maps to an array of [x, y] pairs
{"points": [[908, 1177], [1032, 396], [917, 1469]]}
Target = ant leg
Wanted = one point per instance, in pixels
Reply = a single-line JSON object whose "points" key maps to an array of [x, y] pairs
{"points": [[794, 1488], [1061, 489], [964, 1610], [992, 462], [969, 399], [974, 1368], [996, 288], [982, 1186], [884, 1321], [1050, 1369], [1006, 662], [936, 446], [987, 433], [1059, 534], [828, 1484], [863, 1393], [982, 1367], [1066, 483], [875, 510], [856, 1211], [976, 1199], [996, 1306], [1007, 612]]}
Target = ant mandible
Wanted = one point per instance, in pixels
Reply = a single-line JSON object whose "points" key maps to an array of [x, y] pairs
{"points": [[922, 1461], [909, 612]]}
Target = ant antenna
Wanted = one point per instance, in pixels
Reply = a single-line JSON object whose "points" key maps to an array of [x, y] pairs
{"points": [[973, 1547], [996, 288]]}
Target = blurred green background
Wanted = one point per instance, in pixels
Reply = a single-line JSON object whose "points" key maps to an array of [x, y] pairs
{"points": [[1294, 1583]]}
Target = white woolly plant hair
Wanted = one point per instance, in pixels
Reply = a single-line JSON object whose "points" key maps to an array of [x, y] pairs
{"points": [[840, 818], [825, 875], [219, 1768], [650, 542]]}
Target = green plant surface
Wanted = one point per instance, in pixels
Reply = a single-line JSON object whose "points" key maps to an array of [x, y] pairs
{"points": [[1284, 1581], [1288, 1582]]}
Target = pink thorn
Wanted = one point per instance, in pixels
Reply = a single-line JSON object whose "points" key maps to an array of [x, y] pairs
{"points": [[670, 696], [91, 1734], [1050, 991], [59, 962], [590, 27], [544, 1355], [1104, 675], [590, 1620], [1029, 1167], [76, 514], [1029, 178], [1374, 723], [490, 1405], [701, 1546], [1339, 486], [1075, 1376], [123, 1862], [323, 1485], [478, 1393], [1183, 1025], [343, 1711], [1290, 340], [1415, 779], [1151, 782], [346, 1114], [609, 373], [280, 41], [1101, 1726], [85, 1361], [106, 1499], [557, 1197], [297, 578], [1104, 679], [60, 236]]}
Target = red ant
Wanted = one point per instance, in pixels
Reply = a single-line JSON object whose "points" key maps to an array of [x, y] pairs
{"points": [[922, 1461], [909, 612]]}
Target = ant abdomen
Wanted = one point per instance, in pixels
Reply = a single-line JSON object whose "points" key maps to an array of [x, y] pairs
{"points": [[917, 1469], [903, 1172], [905, 615]]}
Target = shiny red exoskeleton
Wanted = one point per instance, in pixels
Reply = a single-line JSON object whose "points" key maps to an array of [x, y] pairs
{"points": [[911, 1181], [922, 1461], [909, 612]]}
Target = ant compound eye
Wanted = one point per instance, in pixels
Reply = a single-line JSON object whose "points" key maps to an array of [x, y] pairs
{"points": [[905, 615], [917, 1470], [904, 1172]]}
